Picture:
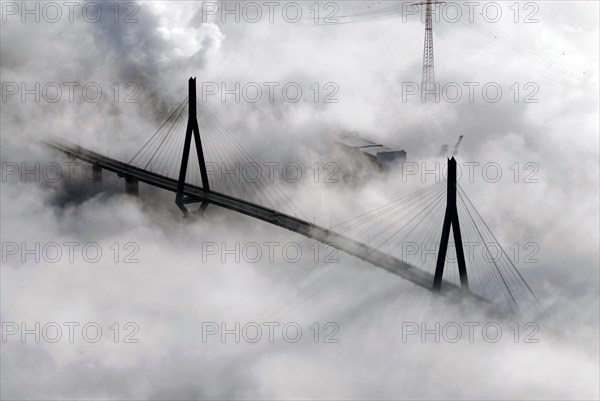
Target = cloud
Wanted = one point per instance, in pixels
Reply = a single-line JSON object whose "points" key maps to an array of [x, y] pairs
{"points": [[170, 292]]}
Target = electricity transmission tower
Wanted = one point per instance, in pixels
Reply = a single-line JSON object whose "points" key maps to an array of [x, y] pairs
{"points": [[428, 81]]}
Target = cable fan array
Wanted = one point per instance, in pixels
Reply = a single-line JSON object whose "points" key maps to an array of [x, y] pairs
{"points": [[231, 170], [410, 228]]}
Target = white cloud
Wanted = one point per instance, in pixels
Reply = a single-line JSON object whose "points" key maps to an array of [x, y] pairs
{"points": [[170, 292]]}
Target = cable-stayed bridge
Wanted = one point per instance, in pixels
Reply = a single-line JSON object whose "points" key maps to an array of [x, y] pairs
{"points": [[409, 237]]}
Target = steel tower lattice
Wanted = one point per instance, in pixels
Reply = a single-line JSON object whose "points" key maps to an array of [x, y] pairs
{"points": [[428, 79]]}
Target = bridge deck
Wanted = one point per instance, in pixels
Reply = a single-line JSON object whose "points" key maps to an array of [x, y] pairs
{"points": [[321, 234]]}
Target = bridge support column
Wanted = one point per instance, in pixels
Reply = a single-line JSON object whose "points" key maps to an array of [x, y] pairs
{"points": [[96, 173], [192, 130], [132, 187], [451, 219]]}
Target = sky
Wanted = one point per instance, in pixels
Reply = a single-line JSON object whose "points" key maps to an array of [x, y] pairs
{"points": [[155, 286]]}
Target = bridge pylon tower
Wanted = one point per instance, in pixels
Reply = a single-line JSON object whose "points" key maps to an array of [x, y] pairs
{"points": [[192, 129], [451, 219]]}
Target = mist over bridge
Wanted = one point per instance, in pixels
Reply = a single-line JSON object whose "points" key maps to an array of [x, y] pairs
{"points": [[375, 236]]}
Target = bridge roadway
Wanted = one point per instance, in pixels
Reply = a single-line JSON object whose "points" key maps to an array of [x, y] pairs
{"points": [[341, 242]]}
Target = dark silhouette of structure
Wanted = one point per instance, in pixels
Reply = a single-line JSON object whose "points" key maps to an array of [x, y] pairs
{"points": [[451, 219], [192, 128]]}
